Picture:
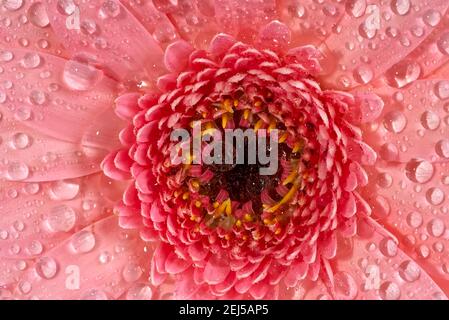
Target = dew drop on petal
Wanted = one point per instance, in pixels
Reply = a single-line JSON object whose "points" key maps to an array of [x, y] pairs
{"points": [[442, 89], [83, 242], [37, 97], [46, 267], [356, 8], [395, 121], [6, 56], [419, 171], [414, 219], [12, 5], [443, 43], [66, 7], [389, 291], [31, 60], [20, 141], [17, 171], [388, 247], [79, 75], [132, 272], [403, 73], [110, 9], [430, 120], [409, 271], [64, 190], [37, 14], [442, 148], [35, 248], [61, 219], [435, 196], [432, 17], [401, 7]]}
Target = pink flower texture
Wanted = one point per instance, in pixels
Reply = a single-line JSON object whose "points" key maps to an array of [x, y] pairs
{"points": [[92, 207]]}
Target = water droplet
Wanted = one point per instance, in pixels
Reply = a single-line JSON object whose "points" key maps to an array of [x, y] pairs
{"points": [[79, 75], [419, 171], [25, 287], [94, 294], [110, 9], [64, 190], [389, 152], [442, 89], [430, 120], [12, 5], [166, 6], [17, 171], [23, 113], [6, 56], [435, 196], [363, 74], [414, 219], [105, 257], [37, 97], [442, 148], [409, 271], [66, 7], [46, 268], [37, 14], [401, 7], [436, 227], [395, 121], [139, 291], [443, 43], [83, 242], [403, 73], [432, 17], [31, 60], [20, 141], [132, 272], [388, 247], [61, 219], [89, 27], [356, 8], [389, 291], [35, 248]]}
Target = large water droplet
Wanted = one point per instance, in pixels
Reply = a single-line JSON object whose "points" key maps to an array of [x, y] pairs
{"points": [[442, 148], [432, 17], [419, 171], [435, 196], [83, 242], [6, 56], [388, 247], [363, 74], [12, 5], [409, 271], [443, 43], [17, 171], [64, 190], [80, 75], [132, 272], [37, 14], [389, 291], [66, 7], [356, 8], [35, 248], [20, 141], [414, 219], [395, 121], [37, 97], [436, 227], [403, 73], [110, 9], [46, 268], [430, 120], [61, 219], [401, 7], [31, 60], [442, 89]]}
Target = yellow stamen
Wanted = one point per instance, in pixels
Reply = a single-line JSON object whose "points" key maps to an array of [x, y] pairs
{"points": [[248, 218], [236, 103], [198, 204], [258, 103], [224, 120], [227, 237], [284, 200], [298, 147], [185, 196], [246, 114], [238, 223], [292, 176], [283, 138], [272, 126], [195, 184], [227, 105], [258, 125], [278, 231]]}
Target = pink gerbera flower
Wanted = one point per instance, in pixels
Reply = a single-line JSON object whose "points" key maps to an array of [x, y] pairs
{"points": [[93, 207]]}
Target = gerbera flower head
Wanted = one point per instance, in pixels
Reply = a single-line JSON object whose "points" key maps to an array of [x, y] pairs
{"points": [[96, 206]]}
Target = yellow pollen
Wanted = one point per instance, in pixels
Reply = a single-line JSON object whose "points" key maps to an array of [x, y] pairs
{"points": [[258, 103], [192, 218], [236, 103], [278, 231], [216, 205], [185, 196], [227, 105], [246, 114], [238, 223], [227, 237], [195, 184], [298, 147], [272, 126], [225, 207], [224, 120], [198, 204]]}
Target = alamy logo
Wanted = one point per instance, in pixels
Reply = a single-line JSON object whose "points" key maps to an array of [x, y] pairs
{"points": [[234, 147]]}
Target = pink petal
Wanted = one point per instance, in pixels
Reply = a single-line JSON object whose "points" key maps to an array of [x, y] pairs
{"points": [[139, 52], [216, 270], [177, 56]]}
